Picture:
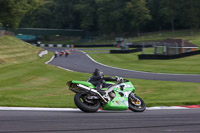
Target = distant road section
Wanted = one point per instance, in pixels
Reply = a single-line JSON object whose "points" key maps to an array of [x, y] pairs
{"points": [[81, 62]]}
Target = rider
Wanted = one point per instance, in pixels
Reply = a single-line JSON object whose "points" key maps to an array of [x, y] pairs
{"points": [[98, 79]]}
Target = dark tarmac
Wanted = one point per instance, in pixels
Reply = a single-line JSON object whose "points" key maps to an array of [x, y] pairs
{"points": [[150, 121]]}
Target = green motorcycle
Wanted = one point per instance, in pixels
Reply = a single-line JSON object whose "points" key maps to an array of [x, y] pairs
{"points": [[118, 96]]}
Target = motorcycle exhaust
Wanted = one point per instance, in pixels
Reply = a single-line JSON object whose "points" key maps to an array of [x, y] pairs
{"points": [[91, 90]]}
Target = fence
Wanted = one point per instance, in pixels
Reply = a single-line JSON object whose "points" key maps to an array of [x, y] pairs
{"points": [[46, 32], [4, 32], [142, 45]]}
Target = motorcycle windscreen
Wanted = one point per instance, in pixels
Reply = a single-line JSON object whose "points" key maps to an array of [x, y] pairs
{"points": [[83, 83]]}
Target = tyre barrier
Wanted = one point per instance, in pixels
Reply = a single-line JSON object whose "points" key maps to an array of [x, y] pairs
{"points": [[166, 57], [90, 45], [125, 51], [54, 45], [95, 45], [72, 46]]}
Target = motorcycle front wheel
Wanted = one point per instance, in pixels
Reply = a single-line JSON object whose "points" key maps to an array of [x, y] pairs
{"points": [[85, 104], [136, 104]]}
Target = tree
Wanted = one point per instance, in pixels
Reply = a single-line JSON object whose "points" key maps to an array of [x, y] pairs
{"points": [[116, 17], [88, 14], [168, 11], [12, 11], [156, 22], [64, 14], [192, 14], [138, 14], [52, 14], [111, 16], [40, 15]]}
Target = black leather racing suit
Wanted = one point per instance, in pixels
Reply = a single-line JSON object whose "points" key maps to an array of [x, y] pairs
{"points": [[99, 81]]}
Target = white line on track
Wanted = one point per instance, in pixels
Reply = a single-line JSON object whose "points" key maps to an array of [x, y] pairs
{"points": [[76, 109], [37, 109], [166, 107], [65, 69], [47, 62]]}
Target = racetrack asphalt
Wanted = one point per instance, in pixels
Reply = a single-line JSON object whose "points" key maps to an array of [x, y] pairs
{"points": [[81, 62], [150, 121]]}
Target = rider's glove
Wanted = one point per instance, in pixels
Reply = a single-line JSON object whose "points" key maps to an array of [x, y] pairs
{"points": [[119, 79]]}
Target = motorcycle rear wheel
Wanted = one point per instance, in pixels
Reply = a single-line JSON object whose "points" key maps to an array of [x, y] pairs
{"points": [[86, 105], [137, 108]]}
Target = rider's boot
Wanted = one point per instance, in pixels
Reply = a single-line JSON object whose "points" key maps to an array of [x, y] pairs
{"points": [[98, 87]]}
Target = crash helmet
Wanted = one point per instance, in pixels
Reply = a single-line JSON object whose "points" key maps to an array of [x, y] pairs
{"points": [[98, 73]]}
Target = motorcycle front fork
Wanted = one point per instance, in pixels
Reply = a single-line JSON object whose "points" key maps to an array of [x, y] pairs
{"points": [[134, 100]]}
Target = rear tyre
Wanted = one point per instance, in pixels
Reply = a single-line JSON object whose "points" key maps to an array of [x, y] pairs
{"points": [[136, 104], [85, 104]]}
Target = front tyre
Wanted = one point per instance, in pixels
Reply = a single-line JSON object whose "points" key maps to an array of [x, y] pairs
{"points": [[136, 104], [85, 104]]}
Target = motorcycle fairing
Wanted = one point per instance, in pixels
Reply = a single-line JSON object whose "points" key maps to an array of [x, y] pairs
{"points": [[118, 103]]}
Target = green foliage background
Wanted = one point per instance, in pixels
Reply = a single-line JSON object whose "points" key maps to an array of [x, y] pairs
{"points": [[116, 17]]}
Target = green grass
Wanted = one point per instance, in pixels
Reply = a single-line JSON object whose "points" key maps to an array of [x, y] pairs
{"points": [[15, 51], [32, 83], [36, 84], [161, 93]]}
